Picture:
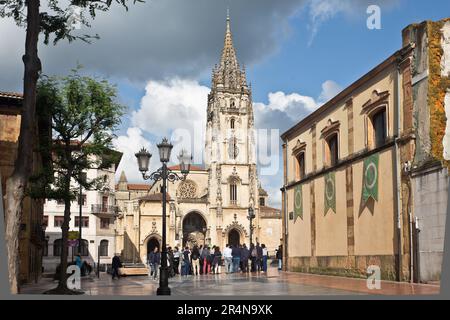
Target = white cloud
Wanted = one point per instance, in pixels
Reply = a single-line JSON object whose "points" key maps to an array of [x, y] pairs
{"points": [[329, 90], [129, 144], [170, 105], [177, 108]]}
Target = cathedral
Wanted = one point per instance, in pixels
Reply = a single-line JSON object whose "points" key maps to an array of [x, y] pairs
{"points": [[211, 207]]}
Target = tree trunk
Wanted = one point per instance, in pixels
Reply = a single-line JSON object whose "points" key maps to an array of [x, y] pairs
{"points": [[62, 285], [16, 184]]}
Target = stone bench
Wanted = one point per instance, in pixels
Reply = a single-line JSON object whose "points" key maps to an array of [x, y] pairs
{"points": [[139, 271]]}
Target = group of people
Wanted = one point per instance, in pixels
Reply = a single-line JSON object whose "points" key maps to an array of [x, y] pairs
{"points": [[203, 260]]}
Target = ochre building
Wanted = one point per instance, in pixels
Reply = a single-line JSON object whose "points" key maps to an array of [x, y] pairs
{"points": [[365, 177]]}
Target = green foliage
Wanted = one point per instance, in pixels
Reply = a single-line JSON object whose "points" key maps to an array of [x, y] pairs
{"points": [[84, 114], [56, 19]]}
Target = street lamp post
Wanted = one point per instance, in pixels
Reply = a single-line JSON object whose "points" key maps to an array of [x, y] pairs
{"points": [[164, 174], [251, 216]]}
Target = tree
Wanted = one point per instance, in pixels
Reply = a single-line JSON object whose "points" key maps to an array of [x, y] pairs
{"points": [[84, 114], [55, 22]]}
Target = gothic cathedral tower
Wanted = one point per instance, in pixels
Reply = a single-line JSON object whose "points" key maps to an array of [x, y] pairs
{"points": [[230, 153]]}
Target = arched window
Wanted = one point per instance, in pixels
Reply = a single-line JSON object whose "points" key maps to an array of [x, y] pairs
{"points": [[379, 128], [233, 193], [232, 123], [57, 247], [104, 248], [332, 150], [300, 171], [84, 248]]}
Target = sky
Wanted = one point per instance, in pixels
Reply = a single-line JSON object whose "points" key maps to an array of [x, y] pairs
{"points": [[298, 54]]}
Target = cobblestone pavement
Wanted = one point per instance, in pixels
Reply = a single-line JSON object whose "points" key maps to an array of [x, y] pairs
{"points": [[274, 283]]}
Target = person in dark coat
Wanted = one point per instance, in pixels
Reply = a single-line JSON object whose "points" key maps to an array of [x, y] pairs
{"points": [[279, 256], [236, 254], [115, 265], [156, 262], [259, 255], [245, 255]]}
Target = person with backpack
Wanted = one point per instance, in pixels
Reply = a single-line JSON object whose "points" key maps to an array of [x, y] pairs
{"points": [[186, 262], [195, 257]]}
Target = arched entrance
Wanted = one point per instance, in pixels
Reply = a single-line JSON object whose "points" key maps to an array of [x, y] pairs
{"points": [[153, 243], [234, 237], [194, 229]]}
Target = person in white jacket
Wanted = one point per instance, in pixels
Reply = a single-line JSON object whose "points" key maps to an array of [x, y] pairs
{"points": [[228, 258]]}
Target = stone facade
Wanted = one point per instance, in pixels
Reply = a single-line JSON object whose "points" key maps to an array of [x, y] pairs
{"points": [[31, 233], [211, 206], [393, 102]]}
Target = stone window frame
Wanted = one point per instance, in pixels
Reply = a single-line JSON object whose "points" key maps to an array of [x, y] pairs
{"points": [[299, 149], [379, 102], [332, 129]]}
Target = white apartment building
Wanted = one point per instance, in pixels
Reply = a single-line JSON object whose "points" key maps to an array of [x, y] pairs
{"points": [[98, 224]]}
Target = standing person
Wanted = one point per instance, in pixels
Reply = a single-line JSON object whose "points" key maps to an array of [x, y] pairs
{"points": [[79, 263], [265, 257], [253, 255], [200, 251], [156, 261], [170, 262], [176, 260], [186, 261], [280, 257], [206, 261], [149, 263], [115, 265], [228, 258], [217, 260], [195, 257], [245, 254], [236, 254], [258, 257]]}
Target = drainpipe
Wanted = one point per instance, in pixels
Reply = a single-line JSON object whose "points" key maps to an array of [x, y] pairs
{"points": [[286, 214], [397, 170]]}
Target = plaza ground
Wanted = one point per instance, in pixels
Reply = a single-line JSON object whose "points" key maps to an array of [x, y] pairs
{"points": [[274, 283]]}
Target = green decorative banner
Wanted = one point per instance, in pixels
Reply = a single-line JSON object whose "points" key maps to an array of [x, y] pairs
{"points": [[330, 192], [370, 178], [298, 203]]}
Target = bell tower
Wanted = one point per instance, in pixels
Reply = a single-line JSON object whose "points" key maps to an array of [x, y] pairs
{"points": [[230, 152]]}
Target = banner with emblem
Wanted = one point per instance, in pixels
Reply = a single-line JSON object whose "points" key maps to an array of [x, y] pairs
{"points": [[298, 203], [330, 192], [370, 178]]}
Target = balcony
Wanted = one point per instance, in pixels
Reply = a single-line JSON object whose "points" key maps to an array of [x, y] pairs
{"points": [[104, 210]]}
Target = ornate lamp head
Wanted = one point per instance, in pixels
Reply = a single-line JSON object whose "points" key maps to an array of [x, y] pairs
{"points": [[143, 158], [165, 148], [185, 162]]}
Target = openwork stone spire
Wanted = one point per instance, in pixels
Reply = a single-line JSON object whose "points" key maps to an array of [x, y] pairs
{"points": [[227, 74]]}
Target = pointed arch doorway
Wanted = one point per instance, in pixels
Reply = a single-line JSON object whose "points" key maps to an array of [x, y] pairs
{"points": [[234, 238], [194, 230]]}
